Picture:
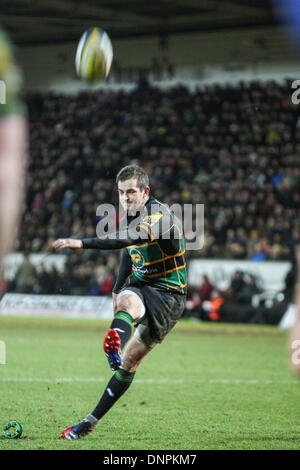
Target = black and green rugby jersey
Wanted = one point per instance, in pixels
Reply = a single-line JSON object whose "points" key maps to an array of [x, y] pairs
{"points": [[160, 261], [153, 251]]}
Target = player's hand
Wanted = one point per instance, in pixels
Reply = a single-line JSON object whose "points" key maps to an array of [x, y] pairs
{"points": [[62, 243]]}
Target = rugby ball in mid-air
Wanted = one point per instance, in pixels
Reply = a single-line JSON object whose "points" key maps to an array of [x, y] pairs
{"points": [[94, 55]]}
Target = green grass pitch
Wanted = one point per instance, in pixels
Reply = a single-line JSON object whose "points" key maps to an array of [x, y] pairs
{"points": [[207, 386]]}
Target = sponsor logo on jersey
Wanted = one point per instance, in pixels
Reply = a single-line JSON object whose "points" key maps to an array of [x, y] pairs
{"points": [[137, 258]]}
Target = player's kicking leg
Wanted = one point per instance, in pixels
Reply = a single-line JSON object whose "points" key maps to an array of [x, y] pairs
{"points": [[116, 387], [129, 309], [114, 342]]}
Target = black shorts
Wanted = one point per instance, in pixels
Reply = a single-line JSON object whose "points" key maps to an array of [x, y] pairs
{"points": [[162, 311]]}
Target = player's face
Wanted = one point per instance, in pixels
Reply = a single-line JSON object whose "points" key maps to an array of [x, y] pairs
{"points": [[131, 197]]}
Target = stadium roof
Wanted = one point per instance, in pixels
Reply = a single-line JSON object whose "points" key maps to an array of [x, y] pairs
{"points": [[35, 22]]}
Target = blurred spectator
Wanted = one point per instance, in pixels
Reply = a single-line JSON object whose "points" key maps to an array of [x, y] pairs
{"points": [[290, 280], [248, 290], [212, 306], [193, 305], [237, 282], [26, 276], [43, 283], [205, 288]]}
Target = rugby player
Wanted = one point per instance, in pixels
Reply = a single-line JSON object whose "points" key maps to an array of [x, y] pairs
{"points": [[150, 289], [13, 143]]}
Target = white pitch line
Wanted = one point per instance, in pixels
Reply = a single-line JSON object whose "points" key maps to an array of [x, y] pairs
{"points": [[81, 379], [144, 381]]}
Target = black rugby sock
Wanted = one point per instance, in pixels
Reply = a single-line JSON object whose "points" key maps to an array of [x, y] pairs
{"points": [[118, 384], [123, 323]]}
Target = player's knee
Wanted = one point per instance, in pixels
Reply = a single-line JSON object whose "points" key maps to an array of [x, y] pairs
{"points": [[129, 304]]}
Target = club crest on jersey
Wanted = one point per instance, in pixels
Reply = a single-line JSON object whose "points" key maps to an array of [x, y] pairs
{"points": [[137, 258], [151, 220]]}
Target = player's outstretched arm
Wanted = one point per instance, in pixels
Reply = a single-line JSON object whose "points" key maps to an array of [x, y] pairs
{"points": [[62, 243], [113, 241]]}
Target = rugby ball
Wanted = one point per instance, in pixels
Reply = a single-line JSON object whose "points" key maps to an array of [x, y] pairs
{"points": [[94, 55]]}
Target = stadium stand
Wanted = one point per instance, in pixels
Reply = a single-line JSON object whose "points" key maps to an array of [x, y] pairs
{"points": [[232, 148]]}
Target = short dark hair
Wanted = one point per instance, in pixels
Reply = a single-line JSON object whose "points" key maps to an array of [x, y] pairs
{"points": [[136, 172]]}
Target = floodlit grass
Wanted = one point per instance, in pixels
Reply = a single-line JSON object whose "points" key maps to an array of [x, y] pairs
{"points": [[207, 386]]}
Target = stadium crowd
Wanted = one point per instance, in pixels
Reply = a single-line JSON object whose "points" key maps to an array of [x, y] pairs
{"points": [[205, 302], [233, 148]]}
